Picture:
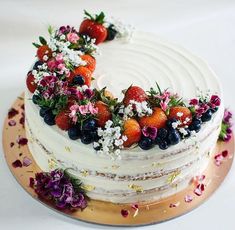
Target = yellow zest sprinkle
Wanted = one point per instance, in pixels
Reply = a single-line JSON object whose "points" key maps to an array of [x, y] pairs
{"points": [[67, 148], [84, 173], [88, 187], [155, 164], [52, 163], [172, 176], [115, 166], [135, 187]]}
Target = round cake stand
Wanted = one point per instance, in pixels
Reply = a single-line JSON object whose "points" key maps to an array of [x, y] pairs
{"points": [[108, 213]]}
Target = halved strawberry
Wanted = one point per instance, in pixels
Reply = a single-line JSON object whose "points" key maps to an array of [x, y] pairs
{"points": [[91, 62], [30, 82], [81, 71], [157, 119], [134, 93], [103, 114], [182, 114], [44, 51], [132, 131], [93, 27], [63, 121]]}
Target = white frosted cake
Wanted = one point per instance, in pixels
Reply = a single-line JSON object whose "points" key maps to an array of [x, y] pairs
{"points": [[137, 172]]}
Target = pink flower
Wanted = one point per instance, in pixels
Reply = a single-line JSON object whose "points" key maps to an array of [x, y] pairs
{"points": [[73, 113], [165, 99], [72, 37], [150, 132], [83, 109], [92, 109], [59, 58], [51, 64]]}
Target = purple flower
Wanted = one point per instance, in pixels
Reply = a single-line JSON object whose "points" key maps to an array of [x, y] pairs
{"points": [[150, 132], [215, 101], [227, 115], [194, 101], [58, 187]]}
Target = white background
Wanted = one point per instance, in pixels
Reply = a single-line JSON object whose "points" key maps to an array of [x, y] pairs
{"points": [[206, 27]]}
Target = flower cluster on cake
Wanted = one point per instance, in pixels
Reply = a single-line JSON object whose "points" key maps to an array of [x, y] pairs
{"points": [[140, 145]]}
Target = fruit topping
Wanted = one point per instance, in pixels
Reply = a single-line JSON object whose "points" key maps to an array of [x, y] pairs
{"points": [[132, 131]]}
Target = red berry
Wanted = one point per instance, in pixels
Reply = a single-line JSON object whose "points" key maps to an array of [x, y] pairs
{"points": [[81, 71], [44, 51], [63, 121], [94, 28], [134, 93], [132, 131], [182, 114], [157, 119], [103, 114], [30, 82]]}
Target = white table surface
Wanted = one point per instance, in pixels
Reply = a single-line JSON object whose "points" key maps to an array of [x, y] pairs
{"points": [[206, 27]]}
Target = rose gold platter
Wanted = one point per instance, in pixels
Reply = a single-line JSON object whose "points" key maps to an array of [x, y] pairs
{"points": [[108, 213]]}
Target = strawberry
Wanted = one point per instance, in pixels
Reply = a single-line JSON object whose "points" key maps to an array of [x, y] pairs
{"points": [[182, 114], [91, 62], [157, 119], [63, 120], [132, 131], [31, 85], [42, 51], [81, 71], [93, 27], [103, 114], [134, 93]]}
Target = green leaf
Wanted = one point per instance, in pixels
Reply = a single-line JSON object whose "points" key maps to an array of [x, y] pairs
{"points": [[42, 40], [50, 29], [100, 18], [36, 45], [159, 89], [89, 15]]}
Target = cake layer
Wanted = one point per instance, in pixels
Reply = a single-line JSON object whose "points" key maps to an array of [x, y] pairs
{"points": [[138, 176]]}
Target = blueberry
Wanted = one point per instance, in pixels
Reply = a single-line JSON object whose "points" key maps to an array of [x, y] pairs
{"points": [[162, 133], [163, 145], [146, 143], [94, 135], [49, 118], [86, 139], [43, 111], [207, 115], [78, 80], [89, 125], [195, 125], [74, 133], [37, 64], [174, 137], [169, 123], [35, 98], [111, 33]]}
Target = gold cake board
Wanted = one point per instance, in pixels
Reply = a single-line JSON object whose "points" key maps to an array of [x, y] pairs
{"points": [[108, 213]]}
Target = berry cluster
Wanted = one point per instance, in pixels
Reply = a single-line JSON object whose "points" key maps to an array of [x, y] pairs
{"points": [[60, 81]]}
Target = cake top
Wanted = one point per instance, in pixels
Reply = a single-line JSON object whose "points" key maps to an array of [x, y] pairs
{"points": [[61, 83]]}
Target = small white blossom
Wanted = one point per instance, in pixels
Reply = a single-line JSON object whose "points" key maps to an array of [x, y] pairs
{"points": [[111, 140], [179, 114]]}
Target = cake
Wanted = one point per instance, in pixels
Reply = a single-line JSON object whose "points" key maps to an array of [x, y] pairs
{"points": [[141, 147]]}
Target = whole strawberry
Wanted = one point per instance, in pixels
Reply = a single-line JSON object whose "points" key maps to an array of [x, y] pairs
{"points": [[182, 114], [63, 121], [30, 82], [134, 93], [103, 114], [93, 27], [157, 119], [132, 131]]}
